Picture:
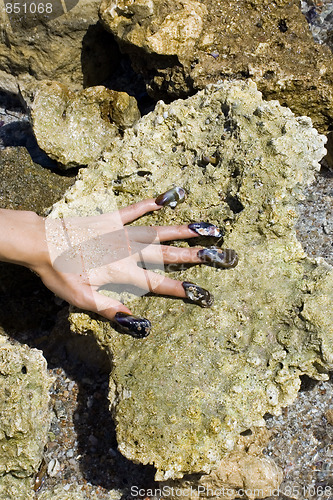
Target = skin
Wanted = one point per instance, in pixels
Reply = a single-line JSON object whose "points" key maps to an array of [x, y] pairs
{"points": [[27, 239]]}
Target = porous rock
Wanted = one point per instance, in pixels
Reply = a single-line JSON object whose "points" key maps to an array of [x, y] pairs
{"points": [[243, 470], [24, 417], [182, 45], [71, 47], [181, 397], [73, 128]]}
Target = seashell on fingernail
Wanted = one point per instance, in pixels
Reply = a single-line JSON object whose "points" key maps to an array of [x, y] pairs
{"points": [[206, 229], [171, 197], [197, 294], [226, 258], [133, 325]]}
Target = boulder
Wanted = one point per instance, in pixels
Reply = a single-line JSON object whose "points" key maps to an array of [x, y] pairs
{"points": [[65, 45], [73, 128], [24, 417], [180, 46], [242, 473], [181, 396]]}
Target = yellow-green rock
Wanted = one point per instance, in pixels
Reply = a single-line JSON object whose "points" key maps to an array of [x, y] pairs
{"points": [[181, 396], [24, 417], [73, 128]]}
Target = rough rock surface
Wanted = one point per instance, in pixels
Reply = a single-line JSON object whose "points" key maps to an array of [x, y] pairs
{"points": [[205, 375], [24, 416], [242, 470], [73, 128], [182, 45], [69, 47]]}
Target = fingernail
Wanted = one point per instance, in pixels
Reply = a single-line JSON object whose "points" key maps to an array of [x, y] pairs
{"points": [[206, 229], [197, 294], [171, 197], [222, 258], [133, 325]]}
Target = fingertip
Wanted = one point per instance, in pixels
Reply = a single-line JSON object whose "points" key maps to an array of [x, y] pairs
{"points": [[111, 313]]}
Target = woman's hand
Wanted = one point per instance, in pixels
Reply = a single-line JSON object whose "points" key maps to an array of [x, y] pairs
{"points": [[76, 256]]}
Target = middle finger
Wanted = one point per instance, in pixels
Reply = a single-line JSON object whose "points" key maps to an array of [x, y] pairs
{"points": [[155, 234]]}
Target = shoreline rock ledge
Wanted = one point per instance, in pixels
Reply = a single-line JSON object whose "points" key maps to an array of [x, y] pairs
{"points": [[182, 396]]}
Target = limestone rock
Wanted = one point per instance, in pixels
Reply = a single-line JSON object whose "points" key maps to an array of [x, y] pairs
{"points": [[182, 45], [24, 416], [181, 397], [14, 488], [242, 473], [73, 128], [178, 25], [70, 47]]}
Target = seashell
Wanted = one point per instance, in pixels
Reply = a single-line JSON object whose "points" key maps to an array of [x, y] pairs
{"points": [[197, 294], [133, 325], [171, 197], [221, 258], [206, 229]]}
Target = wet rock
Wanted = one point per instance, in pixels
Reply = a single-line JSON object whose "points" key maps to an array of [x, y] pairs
{"points": [[182, 396], [69, 47], [73, 128], [25, 417], [182, 45], [25, 185]]}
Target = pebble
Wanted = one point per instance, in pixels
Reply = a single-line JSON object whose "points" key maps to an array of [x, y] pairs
{"points": [[60, 409], [53, 467], [329, 416], [93, 440]]}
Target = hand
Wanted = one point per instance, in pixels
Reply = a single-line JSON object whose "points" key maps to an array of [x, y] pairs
{"points": [[85, 253]]}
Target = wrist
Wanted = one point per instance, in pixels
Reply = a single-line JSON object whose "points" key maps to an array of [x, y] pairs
{"points": [[22, 238]]}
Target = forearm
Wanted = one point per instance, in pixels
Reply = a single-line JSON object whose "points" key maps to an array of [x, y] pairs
{"points": [[22, 238]]}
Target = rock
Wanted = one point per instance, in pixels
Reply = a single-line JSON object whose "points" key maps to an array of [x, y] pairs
{"points": [[24, 417], [181, 397], [14, 488], [69, 47], [182, 45], [25, 185], [329, 416], [243, 470], [73, 128]]}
